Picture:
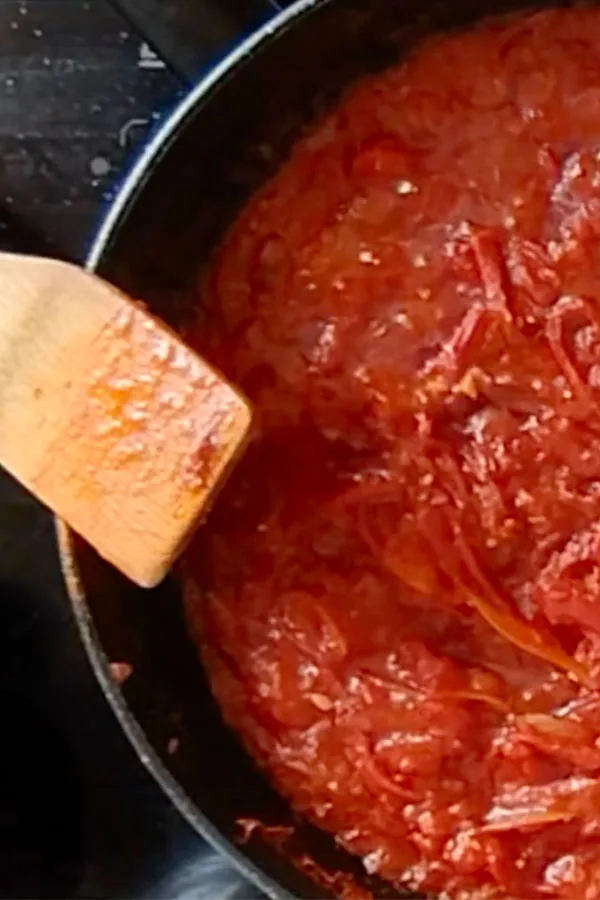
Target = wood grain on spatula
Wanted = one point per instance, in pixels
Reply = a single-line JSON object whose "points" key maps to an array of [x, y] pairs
{"points": [[107, 417]]}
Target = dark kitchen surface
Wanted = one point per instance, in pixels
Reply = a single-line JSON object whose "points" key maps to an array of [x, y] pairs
{"points": [[80, 88]]}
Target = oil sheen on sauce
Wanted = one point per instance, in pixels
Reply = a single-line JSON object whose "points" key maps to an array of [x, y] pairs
{"points": [[398, 595]]}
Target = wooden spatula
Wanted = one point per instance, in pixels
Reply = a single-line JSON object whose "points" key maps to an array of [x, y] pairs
{"points": [[107, 417]]}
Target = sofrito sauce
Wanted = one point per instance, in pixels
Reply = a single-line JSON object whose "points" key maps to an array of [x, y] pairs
{"points": [[398, 594]]}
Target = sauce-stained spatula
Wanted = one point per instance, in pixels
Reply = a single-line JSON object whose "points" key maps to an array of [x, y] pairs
{"points": [[107, 416]]}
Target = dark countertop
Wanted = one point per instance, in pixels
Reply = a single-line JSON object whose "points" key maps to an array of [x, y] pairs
{"points": [[78, 91]]}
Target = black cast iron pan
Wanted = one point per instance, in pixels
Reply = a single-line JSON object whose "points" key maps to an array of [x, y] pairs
{"points": [[225, 138]]}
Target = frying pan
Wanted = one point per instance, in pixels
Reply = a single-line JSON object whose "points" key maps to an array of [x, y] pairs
{"points": [[222, 141]]}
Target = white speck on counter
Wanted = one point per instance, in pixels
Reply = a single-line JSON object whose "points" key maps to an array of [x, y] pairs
{"points": [[99, 166]]}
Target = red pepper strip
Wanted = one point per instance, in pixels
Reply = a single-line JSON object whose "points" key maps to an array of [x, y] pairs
{"points": [[454, 482], [496, 703], [498, 614], [493, 608], [473, 324], [561, 737], [383, 781], [525, 636], [492, 268], [554, 335], [441, 373]]}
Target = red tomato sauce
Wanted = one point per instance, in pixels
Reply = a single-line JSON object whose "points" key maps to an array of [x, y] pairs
{"points": [[398, 594]]}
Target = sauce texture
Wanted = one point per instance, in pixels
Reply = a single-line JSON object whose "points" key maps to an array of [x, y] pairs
{"points": [[397, 597]]}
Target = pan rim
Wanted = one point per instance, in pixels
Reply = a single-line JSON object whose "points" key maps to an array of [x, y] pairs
{"points": [[136, 735], [149, 154]]}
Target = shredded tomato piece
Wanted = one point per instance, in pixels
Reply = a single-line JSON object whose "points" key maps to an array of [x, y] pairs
{"points": [[537, 805], [479, 697], [554, 330], [526, 637]]}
